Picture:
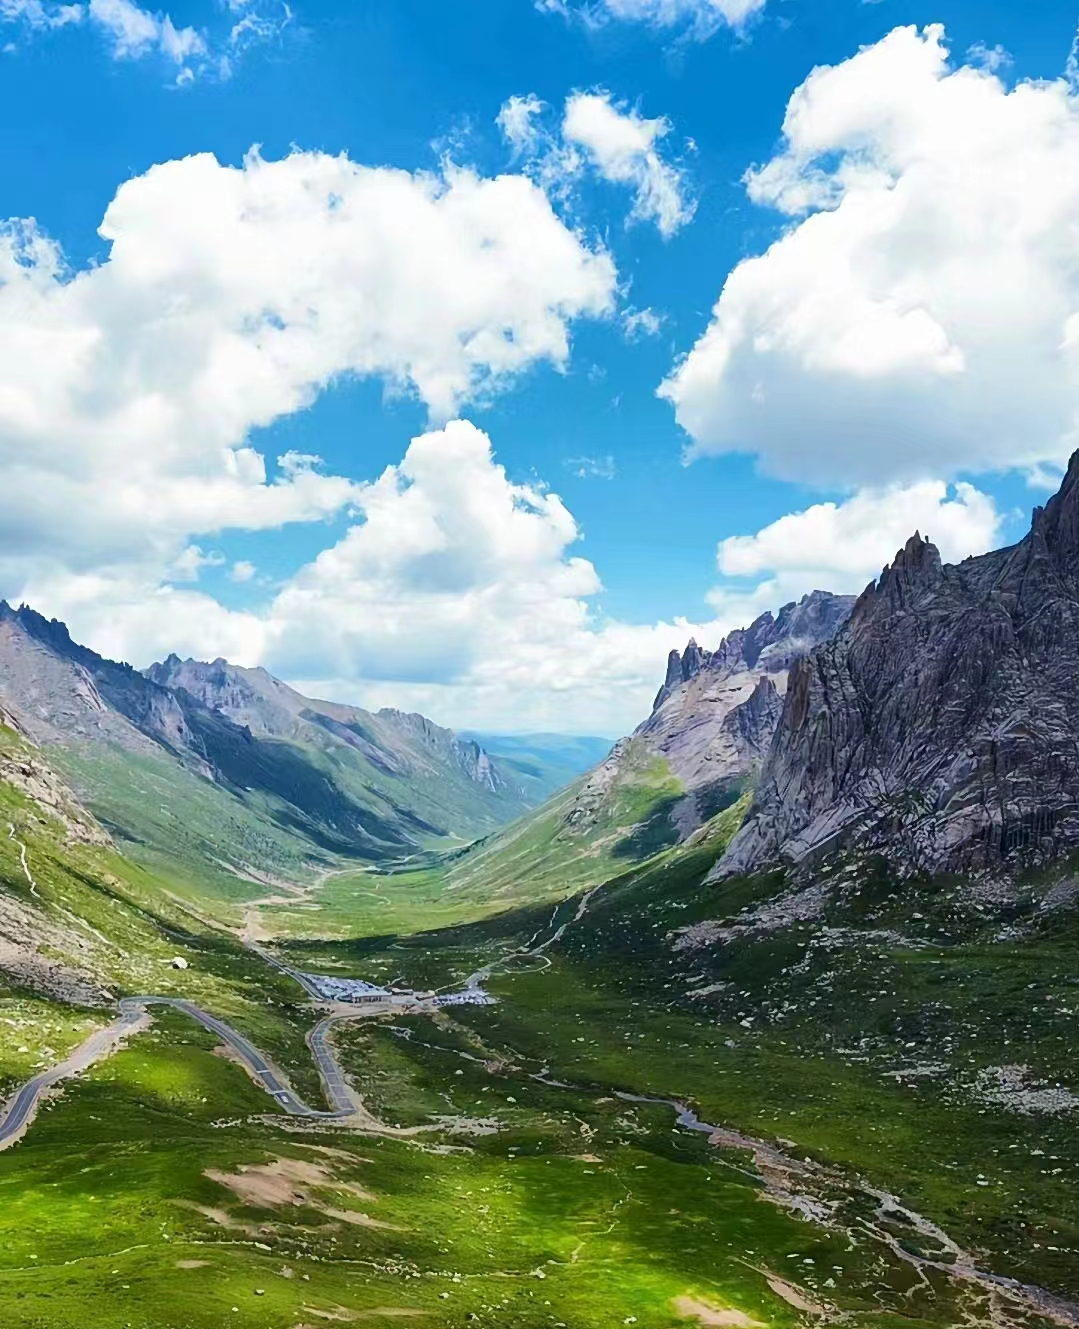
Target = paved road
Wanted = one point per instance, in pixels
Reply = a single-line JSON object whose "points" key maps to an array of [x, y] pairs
{"points": [[258, 1065], [15, 1116], [21, 1108], [308, 985], [17, 1113]]}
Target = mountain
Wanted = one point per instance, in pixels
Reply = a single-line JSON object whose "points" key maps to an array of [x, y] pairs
{"points": [[939, 727], [715, 715], [395, 743], [235, 774], [691, 760], [711, 723], [543, 763]]}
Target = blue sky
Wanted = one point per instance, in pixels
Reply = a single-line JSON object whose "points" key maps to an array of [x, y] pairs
{"points": [[545, 595]]}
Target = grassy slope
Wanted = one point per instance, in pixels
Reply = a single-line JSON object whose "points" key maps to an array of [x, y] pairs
{"points": [[108, 1214], [618, 1212], [98, 1225], [123, 929], [540, 859], [291, 814], [184, 829], [543, 763], [282, 809], [863, 1036]]}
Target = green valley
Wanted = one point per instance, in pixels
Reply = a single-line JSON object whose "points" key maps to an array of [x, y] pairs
{"points": [[507, 1169]]}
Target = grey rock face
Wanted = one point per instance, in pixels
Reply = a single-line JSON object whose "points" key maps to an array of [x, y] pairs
{"points": [[398, 743], [58, 691], [714, 718], [940, 727]]}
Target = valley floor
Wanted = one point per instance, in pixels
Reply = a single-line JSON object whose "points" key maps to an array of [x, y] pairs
{"points": [[544, 1161]]}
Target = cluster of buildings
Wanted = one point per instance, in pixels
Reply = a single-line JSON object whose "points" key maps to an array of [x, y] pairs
{"points": [[357, 992], [352, 990]]}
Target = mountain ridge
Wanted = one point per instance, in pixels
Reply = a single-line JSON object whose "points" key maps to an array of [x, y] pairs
{"points": [[714, 717], [937, 728], [248, 775]]}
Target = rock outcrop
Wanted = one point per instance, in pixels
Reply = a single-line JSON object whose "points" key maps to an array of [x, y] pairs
{"points": [[714, 717], [939, 728], [398, 743]]}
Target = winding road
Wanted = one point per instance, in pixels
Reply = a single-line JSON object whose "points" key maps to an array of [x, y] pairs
{"points": [[19, 1110], [18, 1113]]}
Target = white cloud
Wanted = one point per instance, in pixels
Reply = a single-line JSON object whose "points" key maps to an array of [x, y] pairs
{"points": [[621, 146], [841, 547], [189, 563], [592, 468], [242, 571], [641, 323], [38, 15], [701, 18], [517, 121], [135, 33], [919, 315], [459, 594], [232, 297], [993, 58], [612, 141]]}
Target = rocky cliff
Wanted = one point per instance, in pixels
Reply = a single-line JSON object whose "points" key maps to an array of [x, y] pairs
{"points": [[940, 726], [714, 717]]}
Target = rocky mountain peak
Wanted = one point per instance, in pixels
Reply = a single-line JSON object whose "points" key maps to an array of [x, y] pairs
{"points": [[1057, 524], [937, 728], [714, 717], [916, 568]]}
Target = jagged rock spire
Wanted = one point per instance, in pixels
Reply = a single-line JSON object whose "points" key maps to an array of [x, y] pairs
{"points": [[938, 728]]}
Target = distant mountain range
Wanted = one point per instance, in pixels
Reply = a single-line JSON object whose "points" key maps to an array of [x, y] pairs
{"points": [[542, 763], [233, 773]]}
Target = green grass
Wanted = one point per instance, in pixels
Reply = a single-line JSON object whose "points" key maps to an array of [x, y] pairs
{"points": [[540, 1225], [806, 1035], [860, 1035], [191, 834], [36, 1033], [813, 1035], [545, 857], [113, 924]]}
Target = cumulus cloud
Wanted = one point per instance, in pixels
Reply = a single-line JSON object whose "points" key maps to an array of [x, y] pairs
{"points": [[134, 33], [231, 297], [920, 313], [614, 142], [454, 590], [458, 591], [841, 547], [621, 146], [700, 18]]}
